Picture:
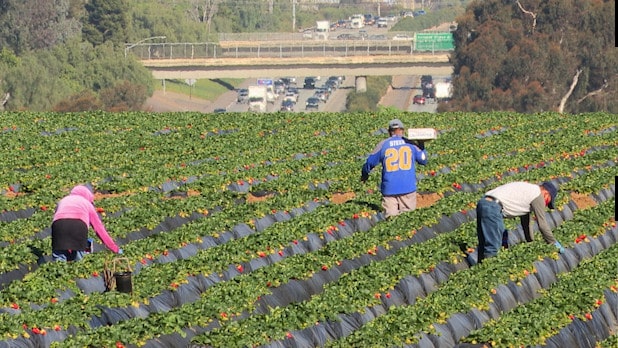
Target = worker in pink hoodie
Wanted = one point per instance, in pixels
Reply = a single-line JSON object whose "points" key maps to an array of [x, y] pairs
{"points": [[74, 214]]}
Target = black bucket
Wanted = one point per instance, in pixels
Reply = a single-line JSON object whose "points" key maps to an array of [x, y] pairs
{"points": [[123, 282]]}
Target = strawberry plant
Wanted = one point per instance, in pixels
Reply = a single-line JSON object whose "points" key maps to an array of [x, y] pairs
{"points": [[234, 232]]}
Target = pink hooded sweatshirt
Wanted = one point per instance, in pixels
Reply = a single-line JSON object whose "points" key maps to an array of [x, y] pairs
{"points": [[79, 204]]}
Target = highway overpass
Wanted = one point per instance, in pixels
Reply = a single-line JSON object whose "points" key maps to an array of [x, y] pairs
{"points": [[256, 67]]}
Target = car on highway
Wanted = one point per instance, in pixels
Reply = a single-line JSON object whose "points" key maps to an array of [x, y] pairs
{"points": [[418, 99], [402, 37], [287, 105], [322, 94], [288, 81], [309, 83], [377, 37], [290, 95], [243, 95], [332, 83], [279, 86], [312, 103], [426, 80]]}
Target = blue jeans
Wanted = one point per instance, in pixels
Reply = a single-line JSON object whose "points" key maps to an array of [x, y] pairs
{"points": [[489, 228], [67, 255]]}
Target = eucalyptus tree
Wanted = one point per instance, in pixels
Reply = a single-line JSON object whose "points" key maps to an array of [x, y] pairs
{"points": [[533, 55]]}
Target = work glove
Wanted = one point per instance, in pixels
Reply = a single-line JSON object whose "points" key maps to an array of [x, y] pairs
{"points": [[364, 178], [559, 246], [120, 251]]}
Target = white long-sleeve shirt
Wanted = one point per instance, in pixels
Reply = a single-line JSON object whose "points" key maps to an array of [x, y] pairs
{"points": [[519, 199]]}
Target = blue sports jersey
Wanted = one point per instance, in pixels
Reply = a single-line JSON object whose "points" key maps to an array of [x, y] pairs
{"points": [[398, 168]]}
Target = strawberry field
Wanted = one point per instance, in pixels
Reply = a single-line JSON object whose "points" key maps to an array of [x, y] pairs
{"points": [[246, 230]]}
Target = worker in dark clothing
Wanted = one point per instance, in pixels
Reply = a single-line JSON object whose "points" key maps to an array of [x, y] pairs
{"points": [[515, 199]]}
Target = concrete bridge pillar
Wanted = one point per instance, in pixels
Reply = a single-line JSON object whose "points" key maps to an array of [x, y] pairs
{"points": [[361, 84]]}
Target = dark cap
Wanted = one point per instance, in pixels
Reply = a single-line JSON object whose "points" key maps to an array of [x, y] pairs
{"points": [[553, 191], [395, 124]]}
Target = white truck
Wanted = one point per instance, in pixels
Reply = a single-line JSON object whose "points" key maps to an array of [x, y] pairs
{"points": [[357, 21], [269, 83], [321, 30], [444, 91], [257, 98]]}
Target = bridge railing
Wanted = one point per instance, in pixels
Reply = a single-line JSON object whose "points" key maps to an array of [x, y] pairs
{"points": [[270, 50], [396, 44]]}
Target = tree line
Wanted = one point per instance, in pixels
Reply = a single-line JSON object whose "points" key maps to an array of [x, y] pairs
{"points": [[535, 55], [522, 55]]}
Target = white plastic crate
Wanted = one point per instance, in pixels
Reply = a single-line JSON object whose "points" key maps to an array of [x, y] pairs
{"points": [[424, 134]]}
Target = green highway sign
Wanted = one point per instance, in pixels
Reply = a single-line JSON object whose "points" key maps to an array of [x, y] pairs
{"points": [[433, 42]]}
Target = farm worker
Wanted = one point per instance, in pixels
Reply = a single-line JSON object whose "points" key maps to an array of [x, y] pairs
{"points": [[397, 156], [515, 199], [74, 214]]}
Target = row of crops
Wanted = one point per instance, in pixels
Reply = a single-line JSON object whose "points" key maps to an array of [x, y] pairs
{"points": [[246, 230]]}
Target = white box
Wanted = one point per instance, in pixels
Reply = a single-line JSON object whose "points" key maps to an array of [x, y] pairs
{"points": [[425, 134]]}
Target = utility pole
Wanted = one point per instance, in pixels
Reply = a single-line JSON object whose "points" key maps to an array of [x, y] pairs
{"points": [[293, 16]]}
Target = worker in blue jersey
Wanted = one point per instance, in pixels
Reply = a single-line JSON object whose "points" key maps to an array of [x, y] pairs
{"points": [[397, 156]]}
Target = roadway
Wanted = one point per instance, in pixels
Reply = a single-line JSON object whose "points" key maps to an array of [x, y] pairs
{"points": [[399, 96]]}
